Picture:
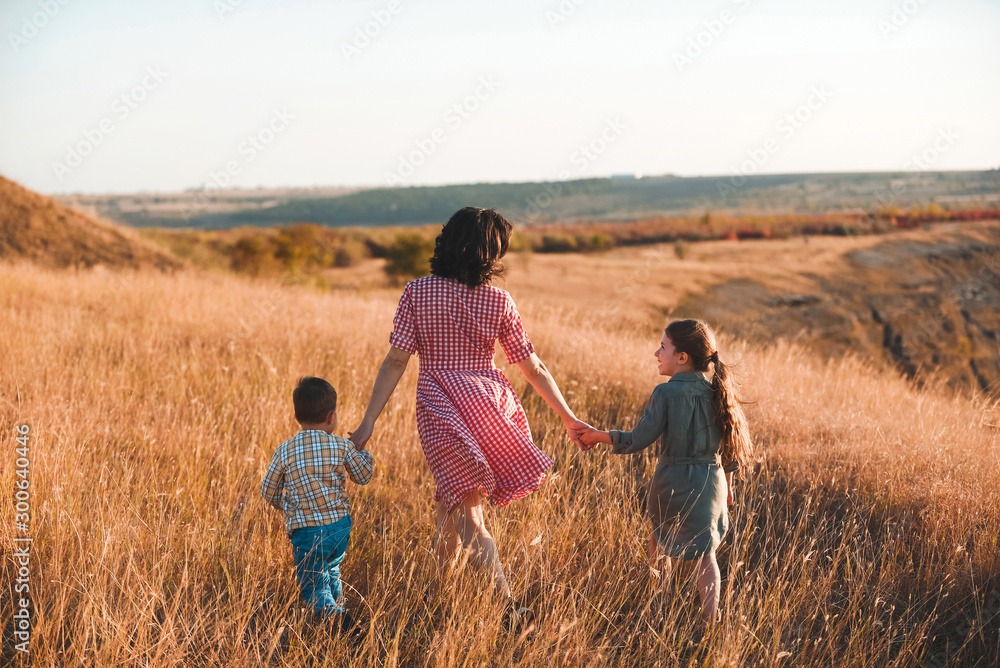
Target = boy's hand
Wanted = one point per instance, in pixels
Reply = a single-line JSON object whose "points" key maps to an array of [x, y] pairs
{"points": [[361, 435]]}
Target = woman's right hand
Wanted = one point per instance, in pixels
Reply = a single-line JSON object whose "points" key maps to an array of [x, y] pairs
{"points": [[361, 435]]}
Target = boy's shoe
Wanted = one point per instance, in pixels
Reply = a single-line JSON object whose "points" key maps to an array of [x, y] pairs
{"points": [[520, 618], [291, 626], [345, 623]]}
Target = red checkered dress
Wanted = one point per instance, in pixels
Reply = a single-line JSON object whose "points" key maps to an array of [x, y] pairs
{"points": [[472, 428]]}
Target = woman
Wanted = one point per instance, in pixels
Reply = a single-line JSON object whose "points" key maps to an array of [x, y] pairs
{"points": [[472, 428]]}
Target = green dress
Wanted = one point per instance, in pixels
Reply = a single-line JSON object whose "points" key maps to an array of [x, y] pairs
{"points": [[687, 495]]}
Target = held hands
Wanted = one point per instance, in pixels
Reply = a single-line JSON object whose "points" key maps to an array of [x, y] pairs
{"points": [[593, 437], [575, 428], [361, 435], [585, 436]]}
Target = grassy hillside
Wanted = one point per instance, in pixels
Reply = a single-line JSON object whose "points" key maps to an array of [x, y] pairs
{"points": [[866, 536], [35, 228]]}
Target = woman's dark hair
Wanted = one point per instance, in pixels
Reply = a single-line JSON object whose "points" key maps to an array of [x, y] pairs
{"points": [[470, 246], [697, 339], [313, 399]]}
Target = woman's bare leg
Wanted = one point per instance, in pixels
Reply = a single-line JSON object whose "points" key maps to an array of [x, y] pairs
{"points": [[445, 540], [471, 528], [660, 566], [709, 586]]}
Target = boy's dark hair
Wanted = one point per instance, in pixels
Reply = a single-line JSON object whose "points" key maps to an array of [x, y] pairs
{"points": [[470, 246], [314, 398]]}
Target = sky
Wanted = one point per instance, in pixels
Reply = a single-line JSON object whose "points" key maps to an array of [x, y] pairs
{"points": [[109, 96]]}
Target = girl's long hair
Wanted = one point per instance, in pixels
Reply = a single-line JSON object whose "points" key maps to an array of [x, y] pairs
{"points": [[697, 339]]}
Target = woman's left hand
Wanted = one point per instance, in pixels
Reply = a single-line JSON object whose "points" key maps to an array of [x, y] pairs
{"points": [[576, 429]]}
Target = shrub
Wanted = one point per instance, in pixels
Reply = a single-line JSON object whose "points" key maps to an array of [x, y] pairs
{"points": [[343, 257], [680, 249], [252, 255], [409, 256], [296, 243], [557, 243], [595, 242], [520, 243]]}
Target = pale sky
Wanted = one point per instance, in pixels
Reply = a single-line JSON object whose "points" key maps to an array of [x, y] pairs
{"points": [[123, 96]]}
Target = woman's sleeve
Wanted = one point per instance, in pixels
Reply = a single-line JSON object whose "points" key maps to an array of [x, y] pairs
{"points": [[513, 338], [404, 326], [649, 428]]}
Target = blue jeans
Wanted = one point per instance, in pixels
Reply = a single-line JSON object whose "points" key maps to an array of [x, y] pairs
{"points": [[318, 552]]}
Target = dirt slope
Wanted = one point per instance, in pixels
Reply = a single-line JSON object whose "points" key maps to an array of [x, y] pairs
{"points": [[36, 228]]}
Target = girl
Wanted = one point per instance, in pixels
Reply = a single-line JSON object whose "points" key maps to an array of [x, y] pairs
{"points": [[704, 440]]}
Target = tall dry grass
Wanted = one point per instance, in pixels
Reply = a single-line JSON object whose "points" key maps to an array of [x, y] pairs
{"points": [[865, 537]]}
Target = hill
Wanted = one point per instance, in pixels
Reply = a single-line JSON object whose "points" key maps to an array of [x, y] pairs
{"points": [[609, 199], [36, 228]]}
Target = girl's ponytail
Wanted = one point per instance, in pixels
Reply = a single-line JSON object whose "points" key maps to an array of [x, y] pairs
{"points": [[696, 338], [736, 445]]}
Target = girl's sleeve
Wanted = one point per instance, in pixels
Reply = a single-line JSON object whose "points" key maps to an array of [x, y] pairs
{"points": [[649, 428], [404, 324], [513, 338]]}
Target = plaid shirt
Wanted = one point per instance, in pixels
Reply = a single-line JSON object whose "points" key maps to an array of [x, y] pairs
{"points": [[306, 478]]}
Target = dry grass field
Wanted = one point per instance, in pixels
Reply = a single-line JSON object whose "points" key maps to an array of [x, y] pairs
{"points": [[866, 535]]}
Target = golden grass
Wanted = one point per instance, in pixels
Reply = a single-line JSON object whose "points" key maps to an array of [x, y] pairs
{"points": [[867, 536]]}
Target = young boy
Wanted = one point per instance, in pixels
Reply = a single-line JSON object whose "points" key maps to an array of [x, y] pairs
{"points": [[306, 481]]}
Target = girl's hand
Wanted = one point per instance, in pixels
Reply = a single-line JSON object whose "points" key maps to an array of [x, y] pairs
{"points": [[575, 428], [592, 437]]}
